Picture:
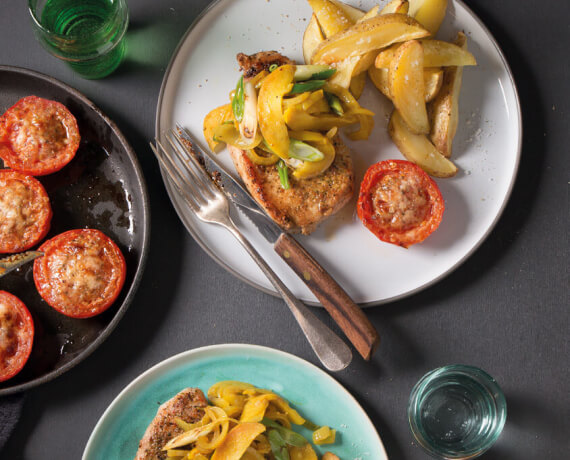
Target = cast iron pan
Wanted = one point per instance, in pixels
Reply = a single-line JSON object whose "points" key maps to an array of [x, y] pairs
{"points": [[103, 188]]}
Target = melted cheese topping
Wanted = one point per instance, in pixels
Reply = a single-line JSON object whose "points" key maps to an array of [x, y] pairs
{"points": [[41, 135], [81, 272], [16, 209], [400, 202], [10, 323]]}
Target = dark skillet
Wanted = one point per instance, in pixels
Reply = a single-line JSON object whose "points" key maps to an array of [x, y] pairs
{"points": [[103, 188]]}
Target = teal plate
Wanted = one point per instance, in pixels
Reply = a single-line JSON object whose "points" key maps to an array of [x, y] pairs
{"points": [[315, 394]]}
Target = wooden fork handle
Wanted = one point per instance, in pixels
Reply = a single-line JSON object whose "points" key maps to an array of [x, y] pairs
{"points": [[350, 318]]}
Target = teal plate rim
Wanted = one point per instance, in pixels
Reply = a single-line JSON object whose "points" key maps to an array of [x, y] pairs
{"points": [[309, 389]]}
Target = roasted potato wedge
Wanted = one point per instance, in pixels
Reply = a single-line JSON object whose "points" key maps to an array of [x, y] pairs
{"points": [[418, 149], [443, 111], [396, 6], [331, 17], [433, 80], [406, 83], [371, 34], [353, 66], [379, 77], [357, 85], [312, 37], [437, 53], [353, 13], [429, 13]]}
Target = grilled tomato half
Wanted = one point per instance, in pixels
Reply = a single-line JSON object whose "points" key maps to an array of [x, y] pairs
{"points": [[81, 273], [38, 136], [16, 335], [399, 202]]}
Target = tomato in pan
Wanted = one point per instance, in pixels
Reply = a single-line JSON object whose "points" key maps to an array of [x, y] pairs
{"points": [[25, 211], [38, 136], [16, 335], [399, 202], [81, 273]]}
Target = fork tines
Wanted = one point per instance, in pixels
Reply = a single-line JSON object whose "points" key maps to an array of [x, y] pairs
{"points": [[186, 172]]}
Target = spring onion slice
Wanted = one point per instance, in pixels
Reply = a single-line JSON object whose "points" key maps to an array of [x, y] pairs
{"points": [[303, 151], [309, 85], [283, 175], [238, 100], [248, 124], [334, 103], [313, 72], [285, 435]]}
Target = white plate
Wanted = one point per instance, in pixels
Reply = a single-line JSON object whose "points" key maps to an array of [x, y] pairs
{"points": [[201, 74], [310, 390]]}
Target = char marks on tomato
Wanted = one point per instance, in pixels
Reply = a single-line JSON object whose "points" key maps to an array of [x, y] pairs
{"points": [[25, 211], [308, 201], [188, 405], [81, 273]]}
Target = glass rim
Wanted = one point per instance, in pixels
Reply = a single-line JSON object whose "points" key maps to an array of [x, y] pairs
{"points": [[484, 379], [32, 4]]}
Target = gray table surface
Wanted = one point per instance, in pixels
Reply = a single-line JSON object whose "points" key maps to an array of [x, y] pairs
{"points": [[505, 309]]}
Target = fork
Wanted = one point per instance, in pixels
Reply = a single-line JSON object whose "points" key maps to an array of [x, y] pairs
{"points": [[210, 205]]}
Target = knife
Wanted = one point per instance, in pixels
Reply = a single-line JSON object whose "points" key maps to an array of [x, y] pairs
{"points": [[347, 314], [11, 263]]}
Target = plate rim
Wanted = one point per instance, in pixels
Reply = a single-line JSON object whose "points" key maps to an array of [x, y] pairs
{"points": [[185, 357], [145, 228], [195, 233]]}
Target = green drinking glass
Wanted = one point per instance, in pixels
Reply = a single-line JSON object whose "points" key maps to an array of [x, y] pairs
{"points": [[87, 34]]}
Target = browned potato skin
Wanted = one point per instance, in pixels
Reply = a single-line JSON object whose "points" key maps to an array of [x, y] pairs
{"points": [[396, 6], [312, 37], [406, 83], [418, 149], [433, 80], [443, 111], [374, 33], [437, 53]]}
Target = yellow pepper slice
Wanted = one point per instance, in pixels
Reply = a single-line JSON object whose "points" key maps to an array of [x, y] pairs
{"points": [[269, 109], [302, 453], [227, 133], [324, 435], [237, 441], [364, 116], [300, 120], [314, 168], [214, 119], [265, 160], [298, 99]]}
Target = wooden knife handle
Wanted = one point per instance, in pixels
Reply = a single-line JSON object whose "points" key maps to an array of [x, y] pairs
{"points": [[350, 318]]}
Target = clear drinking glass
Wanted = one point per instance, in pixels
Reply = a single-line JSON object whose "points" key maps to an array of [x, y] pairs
{"points": [[456, 412], [87, 34]]}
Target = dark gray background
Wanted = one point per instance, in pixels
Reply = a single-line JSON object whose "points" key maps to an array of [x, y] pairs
{"points": [[505, 309]]}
